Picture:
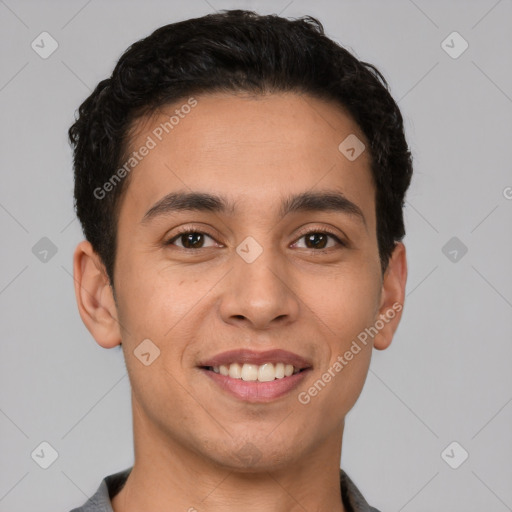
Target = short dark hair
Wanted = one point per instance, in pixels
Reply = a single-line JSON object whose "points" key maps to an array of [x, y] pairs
{"points": [[229, 52]]}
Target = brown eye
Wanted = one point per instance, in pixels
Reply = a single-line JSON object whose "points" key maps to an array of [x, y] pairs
{"points": [[190, 239], [318, 239]]}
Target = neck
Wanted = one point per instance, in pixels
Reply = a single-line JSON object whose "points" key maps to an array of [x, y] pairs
{"points": [[169, 476]]}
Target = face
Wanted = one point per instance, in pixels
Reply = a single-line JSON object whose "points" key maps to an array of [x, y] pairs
{"points": [[258, 271]]}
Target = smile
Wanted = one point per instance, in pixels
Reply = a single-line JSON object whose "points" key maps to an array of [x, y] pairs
{"points": [[254, 376], [251, 372]]}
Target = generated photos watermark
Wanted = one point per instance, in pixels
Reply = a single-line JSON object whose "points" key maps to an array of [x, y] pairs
{"points": [[136, 157], [304, 397]]}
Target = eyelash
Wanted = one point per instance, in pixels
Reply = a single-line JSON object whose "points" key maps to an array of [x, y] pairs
{"points": [[324, 231]]}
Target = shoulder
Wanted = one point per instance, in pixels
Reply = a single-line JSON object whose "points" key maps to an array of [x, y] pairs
{"points": [[353, 500], [100, 501]]}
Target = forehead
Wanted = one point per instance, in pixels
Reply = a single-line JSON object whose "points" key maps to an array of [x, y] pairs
{"points": [[251, 147]]}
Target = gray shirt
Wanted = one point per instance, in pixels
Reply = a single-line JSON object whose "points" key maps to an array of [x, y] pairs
{"points": [[100, 502]]}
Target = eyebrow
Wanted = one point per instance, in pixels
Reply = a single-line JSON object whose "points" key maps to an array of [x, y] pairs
{"points": [[328, 201]]}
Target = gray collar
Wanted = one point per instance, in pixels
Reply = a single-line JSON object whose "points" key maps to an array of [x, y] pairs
{"points": [[112, 484]]}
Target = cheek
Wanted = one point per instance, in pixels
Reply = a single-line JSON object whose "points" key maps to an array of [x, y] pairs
{"points": [[153, 314], [346, 301], [349, 371], [160, 306], [355, 300], [343, 320], [151, 300]]}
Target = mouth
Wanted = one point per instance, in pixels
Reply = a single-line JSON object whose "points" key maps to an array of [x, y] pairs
{"points": [[256, 376], [266, 372]]}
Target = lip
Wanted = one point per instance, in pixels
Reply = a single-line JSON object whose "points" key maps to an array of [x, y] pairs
{"points": [[251, 357], [255, 391]]}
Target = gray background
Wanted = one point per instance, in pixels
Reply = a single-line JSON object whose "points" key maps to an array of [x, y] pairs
{"points": [[445, 378]]}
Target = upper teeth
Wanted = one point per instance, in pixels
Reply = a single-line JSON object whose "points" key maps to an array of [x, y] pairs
{"points": [[263, 373]]}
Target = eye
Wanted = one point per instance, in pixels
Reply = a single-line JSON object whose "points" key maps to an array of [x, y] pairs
{"points": [[191, 238], [318, 238]]}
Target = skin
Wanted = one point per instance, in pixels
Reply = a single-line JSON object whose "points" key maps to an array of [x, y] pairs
{"points": [[194, 305]]}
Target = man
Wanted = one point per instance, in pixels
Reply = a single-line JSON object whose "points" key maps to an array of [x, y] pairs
{"points": [[240, 181]]}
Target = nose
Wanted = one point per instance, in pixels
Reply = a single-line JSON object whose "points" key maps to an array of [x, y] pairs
{"points": [[260, 293]]}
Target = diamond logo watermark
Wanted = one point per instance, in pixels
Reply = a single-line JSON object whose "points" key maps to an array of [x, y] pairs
{"points": [[351, 147], [249, 454], [454, 249], [249, 249], [44, 455], [44, 250], [454, 45], [146, 352], [44, 45], [454, 455]]}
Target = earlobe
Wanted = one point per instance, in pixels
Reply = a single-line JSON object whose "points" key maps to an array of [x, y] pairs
{"points": [[95, 297], [392, 297]]}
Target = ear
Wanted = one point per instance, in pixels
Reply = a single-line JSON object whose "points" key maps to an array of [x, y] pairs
{"points": [[392, 297], [95, 297]]}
